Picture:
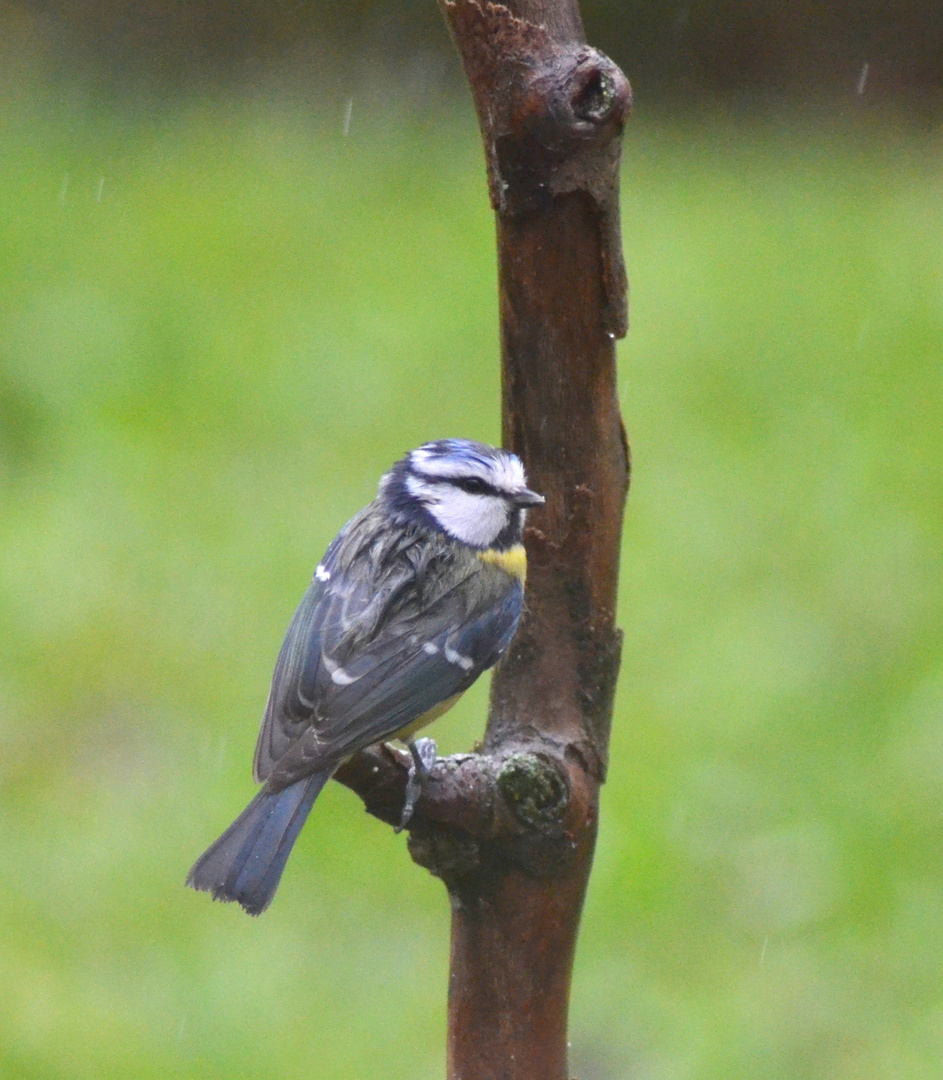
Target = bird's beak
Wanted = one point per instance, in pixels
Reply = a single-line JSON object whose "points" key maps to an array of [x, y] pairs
{"points": [[526, 497]]}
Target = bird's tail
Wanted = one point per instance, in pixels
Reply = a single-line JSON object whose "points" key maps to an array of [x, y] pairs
{"points": [[247, 861]]}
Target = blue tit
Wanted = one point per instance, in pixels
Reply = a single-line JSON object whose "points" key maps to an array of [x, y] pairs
{"points": [[415, 597]]}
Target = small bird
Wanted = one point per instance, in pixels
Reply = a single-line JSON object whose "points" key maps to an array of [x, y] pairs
{"points": [[415, 597]]}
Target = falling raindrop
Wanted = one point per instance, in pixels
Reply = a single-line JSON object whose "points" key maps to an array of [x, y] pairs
{"points": [[862, 79]]}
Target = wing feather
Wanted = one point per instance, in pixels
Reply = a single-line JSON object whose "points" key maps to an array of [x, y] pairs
{"points": [[406, 680], [369, 650]]}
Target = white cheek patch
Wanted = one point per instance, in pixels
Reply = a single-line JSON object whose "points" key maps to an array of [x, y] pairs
{"points": [[473, 519]]}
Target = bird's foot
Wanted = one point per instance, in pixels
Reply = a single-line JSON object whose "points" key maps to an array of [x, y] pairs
{"points": [[424, 753]]}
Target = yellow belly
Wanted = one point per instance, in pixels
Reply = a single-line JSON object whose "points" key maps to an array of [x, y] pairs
{"points": [[513, 561], [434, 713]]}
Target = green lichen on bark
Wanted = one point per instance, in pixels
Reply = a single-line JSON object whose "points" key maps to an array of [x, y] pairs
{"points": [[534, 790]]}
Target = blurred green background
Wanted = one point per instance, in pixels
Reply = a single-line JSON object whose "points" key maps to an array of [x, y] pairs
{"points": [[221, 318]]}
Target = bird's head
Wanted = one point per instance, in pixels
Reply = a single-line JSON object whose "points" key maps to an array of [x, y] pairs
{"points": [[475, 493]]}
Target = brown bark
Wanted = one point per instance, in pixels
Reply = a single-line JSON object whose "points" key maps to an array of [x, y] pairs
{"points": [[511, 830]]}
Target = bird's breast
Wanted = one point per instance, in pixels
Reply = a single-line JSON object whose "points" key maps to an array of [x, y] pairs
{"points": [[513, 561]]}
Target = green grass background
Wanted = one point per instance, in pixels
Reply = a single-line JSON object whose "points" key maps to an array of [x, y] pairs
{"points": [[219, 322]]}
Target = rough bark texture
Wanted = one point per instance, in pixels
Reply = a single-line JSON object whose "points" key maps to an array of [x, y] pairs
{"points": [[511, 830]]}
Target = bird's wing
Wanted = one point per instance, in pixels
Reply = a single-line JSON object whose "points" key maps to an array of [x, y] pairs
{"points": [[360, 662], [333, 602], [289, 709]]}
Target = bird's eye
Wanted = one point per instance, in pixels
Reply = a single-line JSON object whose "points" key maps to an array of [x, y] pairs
{"points": [[473, 485]]}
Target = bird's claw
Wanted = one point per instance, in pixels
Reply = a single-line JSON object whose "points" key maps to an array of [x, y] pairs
{"points": [[424, 753]]}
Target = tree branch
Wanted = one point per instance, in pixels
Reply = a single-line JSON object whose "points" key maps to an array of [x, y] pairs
{"points": [[511, 830]]}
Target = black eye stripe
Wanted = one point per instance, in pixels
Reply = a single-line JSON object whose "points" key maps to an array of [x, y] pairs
{"points": [[473, 485]]}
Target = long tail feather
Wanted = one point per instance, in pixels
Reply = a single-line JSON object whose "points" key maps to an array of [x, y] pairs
{"points": [[246, 862]]}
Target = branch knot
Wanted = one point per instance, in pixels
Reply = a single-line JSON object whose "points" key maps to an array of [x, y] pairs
{"points": [[534, 790]]}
